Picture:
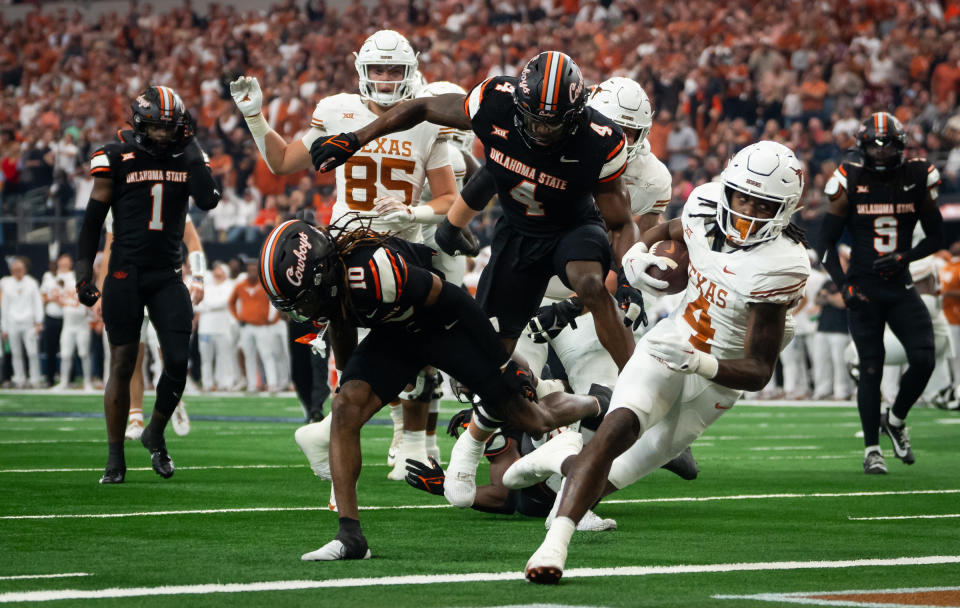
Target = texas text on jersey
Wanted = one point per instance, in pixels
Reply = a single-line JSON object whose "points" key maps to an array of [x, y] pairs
{"points": [[150, 200], [884, 209], [386, 281], [544, 192], [725, 280]]}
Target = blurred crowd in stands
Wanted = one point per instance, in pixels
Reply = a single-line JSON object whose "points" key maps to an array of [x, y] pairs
{"points": [[719, 74]]}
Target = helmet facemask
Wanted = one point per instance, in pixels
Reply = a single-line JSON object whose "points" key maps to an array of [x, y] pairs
{"points": [[882, 140], [300, 271], [387, 48], [744, 230]]}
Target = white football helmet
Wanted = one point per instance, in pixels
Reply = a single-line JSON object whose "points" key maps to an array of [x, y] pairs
{"points": [[624, 102], [765, 170], [387, 47], [460, 138]]}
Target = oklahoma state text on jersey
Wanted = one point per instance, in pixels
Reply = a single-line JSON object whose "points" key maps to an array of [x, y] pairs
{"points": [[149, 203], [544, 192]]}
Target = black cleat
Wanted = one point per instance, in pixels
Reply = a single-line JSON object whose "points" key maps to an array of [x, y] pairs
{"points": [[900, 438], [873, 464], [113, 475], [159, 458], [684, 465]]}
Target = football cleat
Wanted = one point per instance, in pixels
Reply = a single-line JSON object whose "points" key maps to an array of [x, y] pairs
{"points": [[159, 458], [180, 420], [543, 462], [900, 438], [134, 430], [113, 475], [873, 464], [337, 550], [399, 471], [684, 465], [545, 566]]}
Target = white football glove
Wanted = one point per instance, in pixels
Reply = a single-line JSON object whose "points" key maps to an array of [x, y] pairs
{"points": [[247, 95], [679, 355], [635, 263], [393, 211]]}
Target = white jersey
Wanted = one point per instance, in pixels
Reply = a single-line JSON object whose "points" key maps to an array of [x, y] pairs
{"points": [[713, 312], [648, 182], [395, 164]]}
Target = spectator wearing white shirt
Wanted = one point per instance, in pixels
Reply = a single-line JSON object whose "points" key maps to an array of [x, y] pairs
{"points": [[52, 286], [217, 331], [21, 321], [75, 336]]}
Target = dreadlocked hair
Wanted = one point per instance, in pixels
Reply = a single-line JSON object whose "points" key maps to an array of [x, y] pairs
{"points": [[797, 234], [354, 232]]}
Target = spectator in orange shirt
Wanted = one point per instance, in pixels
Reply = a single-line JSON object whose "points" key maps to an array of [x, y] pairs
{"points": [[950, 289], [250, 306]]}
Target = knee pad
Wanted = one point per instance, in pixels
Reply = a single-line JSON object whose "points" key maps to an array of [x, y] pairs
{"points": [[314, 441]]}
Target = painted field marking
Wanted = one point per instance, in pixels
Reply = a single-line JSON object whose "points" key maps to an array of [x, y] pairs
{"points": [[20, 577], [428, 579], [447, 506], [784, 448], [831, 598], [897, 517]]}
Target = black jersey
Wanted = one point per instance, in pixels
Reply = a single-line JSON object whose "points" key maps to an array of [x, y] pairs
{"points": [[149, 203], [544, 193], [387, 282], [883, 211]]}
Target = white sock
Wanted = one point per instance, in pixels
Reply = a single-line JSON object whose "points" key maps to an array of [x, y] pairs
{"points": [[872, 448], [430, 442], [396, 414], [135, 416], [413, 438], [893, 420], [561, 531], [467, 450]]}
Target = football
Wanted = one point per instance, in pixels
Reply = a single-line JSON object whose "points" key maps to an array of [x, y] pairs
{"points": [[675, 277]]}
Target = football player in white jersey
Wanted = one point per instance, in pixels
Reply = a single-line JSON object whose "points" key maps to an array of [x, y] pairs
{"points": [[747, 267], [382, 182]]}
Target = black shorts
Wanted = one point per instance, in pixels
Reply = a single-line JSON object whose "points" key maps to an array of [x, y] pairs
{"points": [[390, 357], [127, 289], [514, 281]]}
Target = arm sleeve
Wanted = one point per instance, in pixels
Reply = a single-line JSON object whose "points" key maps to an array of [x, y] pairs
{"points": [[479, 190], [830, 233], [88, 240], [932, 223], [203, 188]]}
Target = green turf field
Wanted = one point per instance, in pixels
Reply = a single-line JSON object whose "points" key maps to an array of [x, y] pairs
{"points": [[781, 506]]}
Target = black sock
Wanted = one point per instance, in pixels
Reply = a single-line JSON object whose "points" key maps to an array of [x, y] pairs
{"points": [[115, 459], [153, 433], [352, 538], [350, 526]]}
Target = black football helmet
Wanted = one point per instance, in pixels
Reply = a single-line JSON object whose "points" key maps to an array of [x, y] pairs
{"points": [[881, 140], [301, 271], [160, 108], [550, 97]]}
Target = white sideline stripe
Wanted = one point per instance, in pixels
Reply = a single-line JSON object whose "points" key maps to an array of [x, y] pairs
{"points": [[33, 441], [803, 597], [890, 517], [20, 577], [426, 579], [784, 448], [447, 506], [198, 468]]}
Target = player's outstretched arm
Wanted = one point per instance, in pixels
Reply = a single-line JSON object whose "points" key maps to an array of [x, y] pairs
{"points": [[88, 240], [831, 230], [446, 110], [282, 158]]}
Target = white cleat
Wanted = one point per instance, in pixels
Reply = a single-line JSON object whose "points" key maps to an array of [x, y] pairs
{"points": [[332, 551], [394, 447], [543, 462], [545, 566], [434, 452], [180, 420], [134, 430], [591, 522], [399, 471]]}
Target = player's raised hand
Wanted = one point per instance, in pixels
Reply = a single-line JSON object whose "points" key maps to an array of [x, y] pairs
{"points": [[328, 153], [634, 269], [247, 95]]}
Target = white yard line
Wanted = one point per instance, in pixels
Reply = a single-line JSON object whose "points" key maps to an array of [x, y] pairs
{"points": [[197, 468], [20, 577], [445, 506], [428, 579], [898, 517], [808, 597]]}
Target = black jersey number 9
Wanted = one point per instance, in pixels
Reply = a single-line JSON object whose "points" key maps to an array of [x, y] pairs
{"points": [[885, 228]]}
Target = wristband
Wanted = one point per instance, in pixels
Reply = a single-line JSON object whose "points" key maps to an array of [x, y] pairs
{"points": [[424, 214], [708, 366], [198, 263]]}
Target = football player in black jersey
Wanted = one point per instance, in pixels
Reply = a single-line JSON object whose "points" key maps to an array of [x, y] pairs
{"points": [[146, 178], [555, 165], [879, 202], [362, 278]]}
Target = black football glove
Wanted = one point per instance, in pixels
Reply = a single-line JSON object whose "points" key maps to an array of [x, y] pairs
{"points": [[631, 302], [193, 153], [520, 381], [551, 319], [328, 153], [890, 265], [456, 241], [459, 422], [428, 478], [853, 298], [87, 293]]}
